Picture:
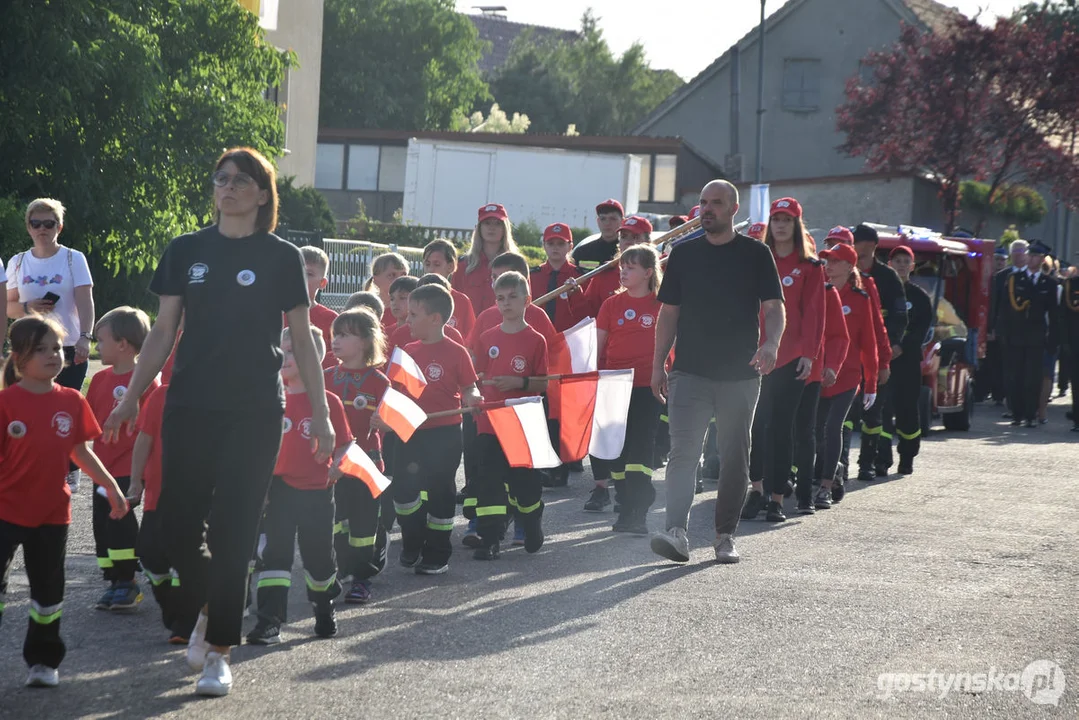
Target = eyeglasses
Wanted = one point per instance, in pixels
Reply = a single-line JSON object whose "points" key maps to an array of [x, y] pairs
{"points": [[240, 181], [47, 224]]}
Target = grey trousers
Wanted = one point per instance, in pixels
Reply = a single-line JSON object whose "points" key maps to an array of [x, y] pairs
{"points": [[693, 401]]}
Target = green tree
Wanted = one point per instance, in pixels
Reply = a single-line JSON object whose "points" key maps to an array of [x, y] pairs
{"points": [[304, 208], [401, 64], [119, 109], [558, 83]]}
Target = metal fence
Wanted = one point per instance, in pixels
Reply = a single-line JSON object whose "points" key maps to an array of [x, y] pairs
{"points": [[350, 267]]}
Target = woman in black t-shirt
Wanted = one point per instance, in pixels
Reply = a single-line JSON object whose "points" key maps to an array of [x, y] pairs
{"points": [[222, 425]]}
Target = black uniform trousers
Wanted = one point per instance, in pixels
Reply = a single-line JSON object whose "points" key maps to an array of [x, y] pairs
{"points": [[872, 426], [44, 550], [114, 540], [216, 469], [297, 517], [150, 548], [831, 412], [901, 411], [500, 489], [1023, 365], [772, 451], [360, 536], [637, 463], [425, 491], [805, 440]]}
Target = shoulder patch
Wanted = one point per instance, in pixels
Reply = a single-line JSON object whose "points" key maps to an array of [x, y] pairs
{"points": [[828, 286], [815, 261], [535, 269], [861, 292]]}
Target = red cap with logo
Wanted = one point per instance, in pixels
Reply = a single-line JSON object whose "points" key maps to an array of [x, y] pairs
{"points": [[756, 231], [787, 206], [841, 251], [608, 205], [493, 210], [840, 235], [901, 250], [636, 224], [557, 231], [695, 212]]}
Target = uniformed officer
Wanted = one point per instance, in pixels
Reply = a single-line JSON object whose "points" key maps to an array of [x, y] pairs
{"points": [[1028, 317], [990, 378], [591, 255], [1069, 325], [998, 296], [901, 408]]}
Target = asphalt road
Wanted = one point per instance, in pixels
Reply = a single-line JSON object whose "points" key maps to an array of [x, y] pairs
{"points": [[970, 566]]}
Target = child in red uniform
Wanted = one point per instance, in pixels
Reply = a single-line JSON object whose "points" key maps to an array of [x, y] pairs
{"points": [[492, 237], [300, 509], [860, 362], [802, 275], [440, 258], [401, 288], [506, 356], [452, 333], [626, 336], [316, 265], [568, 308], [634, 231], [42, 426], [146, 488], [120, 335], [424, 483], [384, 270], [360, 537]]}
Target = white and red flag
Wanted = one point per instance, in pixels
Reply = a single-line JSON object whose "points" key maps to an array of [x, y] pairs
{"points": [[573, 351], [521, 427], [593, 408], [358, 464], [404, 371], [402, 414]]}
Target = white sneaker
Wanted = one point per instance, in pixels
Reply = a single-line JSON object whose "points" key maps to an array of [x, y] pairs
{"points": [[43, 676], [725, 551], [197, 647], [216, 680], [73, 478], [673, 544]]}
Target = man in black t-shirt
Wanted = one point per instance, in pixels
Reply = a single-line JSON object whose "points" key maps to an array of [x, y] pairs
{"points": [[713, 291]]}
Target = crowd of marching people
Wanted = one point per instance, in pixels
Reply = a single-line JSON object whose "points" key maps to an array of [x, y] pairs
{"points": [[249, 418]]}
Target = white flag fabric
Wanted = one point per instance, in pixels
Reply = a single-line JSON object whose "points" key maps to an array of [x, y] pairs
{"points": [[609, 418], [521, 428], [581, 342], [759, 204]]}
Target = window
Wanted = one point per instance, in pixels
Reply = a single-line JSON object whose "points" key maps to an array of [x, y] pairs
{"points": [[646, 178], [663, 186], [329, 166], [801, 85], [362, 167], [391, 170]]}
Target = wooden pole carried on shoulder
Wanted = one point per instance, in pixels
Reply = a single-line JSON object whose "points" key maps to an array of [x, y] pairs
{"points": [[675, 234]]}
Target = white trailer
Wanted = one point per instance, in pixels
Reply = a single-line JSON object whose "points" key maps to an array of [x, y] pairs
{"points": [[447, 181]]}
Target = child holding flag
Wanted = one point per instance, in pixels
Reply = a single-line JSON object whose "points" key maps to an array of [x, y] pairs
{"points": [[361, 539], [506, 357], [300, 507], [426, 463]]}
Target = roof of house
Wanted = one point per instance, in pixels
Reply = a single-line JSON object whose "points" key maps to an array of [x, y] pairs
{"points": [[930, 14], [501, 33]]}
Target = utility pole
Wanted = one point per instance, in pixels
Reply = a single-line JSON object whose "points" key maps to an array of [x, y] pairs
{"points": [[760, 97]]}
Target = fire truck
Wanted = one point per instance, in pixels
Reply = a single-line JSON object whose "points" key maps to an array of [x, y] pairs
{"points": [[957, 273]]}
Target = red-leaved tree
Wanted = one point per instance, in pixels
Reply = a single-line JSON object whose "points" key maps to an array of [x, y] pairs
{"points": [[996, 104]]}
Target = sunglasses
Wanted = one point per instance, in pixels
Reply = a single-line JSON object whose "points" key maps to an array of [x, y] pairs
{"points": [[47, 224], [240, 181]]}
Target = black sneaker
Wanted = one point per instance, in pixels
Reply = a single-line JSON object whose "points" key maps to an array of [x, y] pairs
{"points": [[432, 568], [632, 523], [410, 558], [487, 552], [805, 507], [325, 621], [774, 512], [881, 470], [838, 491], [906, 466], [533, 527], [555, 477], [265, 632], [1032, 424], [823, 499], [866, 476], [754, 505], [599, 500]]}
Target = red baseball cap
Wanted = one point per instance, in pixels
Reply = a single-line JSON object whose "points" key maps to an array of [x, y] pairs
{"points": [[695, 212], [493, 210], [636, 224], [756, 230], [841, 251], [841, 235], [610, 204], [557, 230], [901, 250], [786, 206], [675, 220]]}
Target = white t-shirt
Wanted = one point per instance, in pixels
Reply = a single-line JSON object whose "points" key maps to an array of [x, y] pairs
{"points": [[60, 274]]}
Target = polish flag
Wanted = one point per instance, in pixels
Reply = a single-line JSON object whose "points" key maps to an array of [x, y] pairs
{"points": [[359, 465], [404, 370], [521, 427], [574, 351], [401, 413], [593, 410]]}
